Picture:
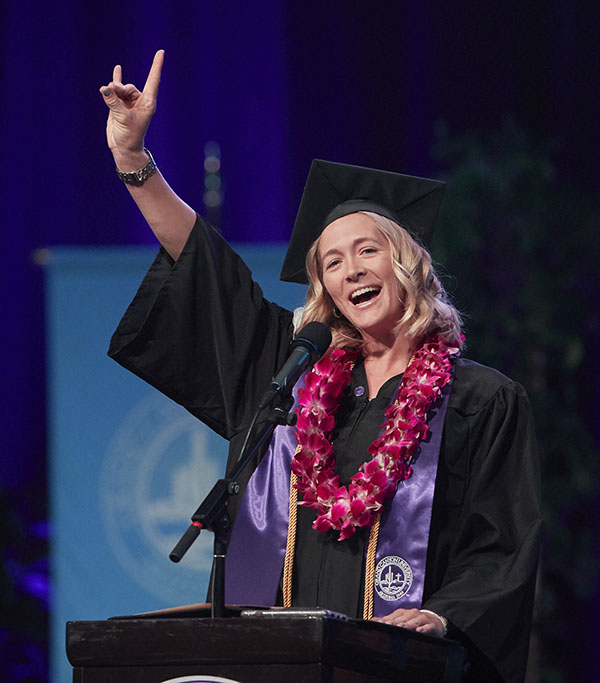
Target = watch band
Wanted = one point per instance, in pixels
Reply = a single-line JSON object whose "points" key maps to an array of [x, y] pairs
{"points": [[140, 176], [440, 617]]}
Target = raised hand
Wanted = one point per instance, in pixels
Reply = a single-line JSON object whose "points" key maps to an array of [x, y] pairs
{"points": [[130, 111]]}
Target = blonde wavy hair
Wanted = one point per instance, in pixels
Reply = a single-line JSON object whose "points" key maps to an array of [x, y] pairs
{"points": [[427, 307]]}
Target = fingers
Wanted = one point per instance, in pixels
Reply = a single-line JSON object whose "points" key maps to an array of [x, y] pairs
{"points": [[115, 93], [402, 617], [126, 92], [430, 628], [112, 100], [129, 91], [153, 80], [414, 620]]}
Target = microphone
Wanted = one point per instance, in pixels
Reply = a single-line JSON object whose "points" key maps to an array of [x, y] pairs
{"points": [[309, 345]]}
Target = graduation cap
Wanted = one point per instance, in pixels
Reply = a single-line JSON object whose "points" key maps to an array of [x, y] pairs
{"points": [[334, 190]]}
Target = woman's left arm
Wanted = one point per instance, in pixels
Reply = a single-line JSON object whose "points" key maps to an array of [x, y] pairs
{"points": [[486, 581]]}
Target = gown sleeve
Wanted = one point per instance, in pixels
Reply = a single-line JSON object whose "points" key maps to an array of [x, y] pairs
{"points": [[487, 572], [201, 332]]}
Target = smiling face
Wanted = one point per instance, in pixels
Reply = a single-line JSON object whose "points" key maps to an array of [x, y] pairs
{"points": [[357, 272]]}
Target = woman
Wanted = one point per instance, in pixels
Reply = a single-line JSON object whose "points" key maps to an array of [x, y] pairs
{"points": [[431, 523]]}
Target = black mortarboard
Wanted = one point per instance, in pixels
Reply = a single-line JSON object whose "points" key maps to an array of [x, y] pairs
{"points": [[334, 190]]}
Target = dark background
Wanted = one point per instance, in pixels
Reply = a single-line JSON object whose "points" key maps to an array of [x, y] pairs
{"points": [[499, 98]]}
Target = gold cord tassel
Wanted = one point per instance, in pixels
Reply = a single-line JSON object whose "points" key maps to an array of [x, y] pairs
{"points": [[370, 569], [290, 548]]}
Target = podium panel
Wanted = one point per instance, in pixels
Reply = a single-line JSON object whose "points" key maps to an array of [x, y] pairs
{"points": [[257, 650]]}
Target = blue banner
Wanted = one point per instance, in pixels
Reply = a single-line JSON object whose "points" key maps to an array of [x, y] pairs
{"points": [[128, 467]]}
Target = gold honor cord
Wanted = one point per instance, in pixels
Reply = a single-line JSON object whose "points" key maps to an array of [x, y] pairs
{"points": [[288, 565], [290, 548], [370, 568]]}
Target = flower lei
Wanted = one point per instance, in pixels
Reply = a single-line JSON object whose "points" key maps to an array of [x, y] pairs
{"points": [[346, 508]]}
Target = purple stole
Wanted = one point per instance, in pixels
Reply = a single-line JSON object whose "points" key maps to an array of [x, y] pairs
{"points": [[257, 547]]}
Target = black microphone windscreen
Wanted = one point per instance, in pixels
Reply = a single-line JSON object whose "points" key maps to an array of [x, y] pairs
{"points": [[315, 335]]}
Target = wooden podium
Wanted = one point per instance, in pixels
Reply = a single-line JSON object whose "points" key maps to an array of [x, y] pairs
{"points": [[294, 649]]}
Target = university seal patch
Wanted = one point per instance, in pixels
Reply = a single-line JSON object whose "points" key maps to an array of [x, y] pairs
{"points": [[393, 578]]}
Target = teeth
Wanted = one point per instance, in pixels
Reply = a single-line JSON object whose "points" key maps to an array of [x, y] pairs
{"points": [[364, 290]]}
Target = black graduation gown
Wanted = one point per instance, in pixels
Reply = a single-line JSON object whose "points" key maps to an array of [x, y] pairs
{"points": [[200, 331]]}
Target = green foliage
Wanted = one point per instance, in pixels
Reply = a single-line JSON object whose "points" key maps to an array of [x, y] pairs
{"points": [[523, 250]]}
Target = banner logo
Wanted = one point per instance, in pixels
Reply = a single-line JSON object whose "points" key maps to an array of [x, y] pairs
{"points": [[200, 679], [159, 466]]}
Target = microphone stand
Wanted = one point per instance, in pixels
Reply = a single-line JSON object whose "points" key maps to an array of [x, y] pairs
{"points": [[213, 513]]}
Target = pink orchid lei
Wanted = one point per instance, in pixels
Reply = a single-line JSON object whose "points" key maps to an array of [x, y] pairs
{"points": [[346, 508]]}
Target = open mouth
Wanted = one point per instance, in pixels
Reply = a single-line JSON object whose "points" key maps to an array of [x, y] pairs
{"points": [[362, 296]]}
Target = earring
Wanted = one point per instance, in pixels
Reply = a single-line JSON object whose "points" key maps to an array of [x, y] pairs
{"points": [[336, 313]]}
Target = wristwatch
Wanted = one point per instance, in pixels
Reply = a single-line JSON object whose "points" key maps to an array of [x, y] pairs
{"points": [[140, 176]]}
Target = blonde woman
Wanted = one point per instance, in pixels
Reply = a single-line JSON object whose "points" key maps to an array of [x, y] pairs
{"points": [[408, 490]]}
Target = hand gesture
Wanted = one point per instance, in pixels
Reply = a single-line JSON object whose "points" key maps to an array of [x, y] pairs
{"points": [[130, 109]]}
